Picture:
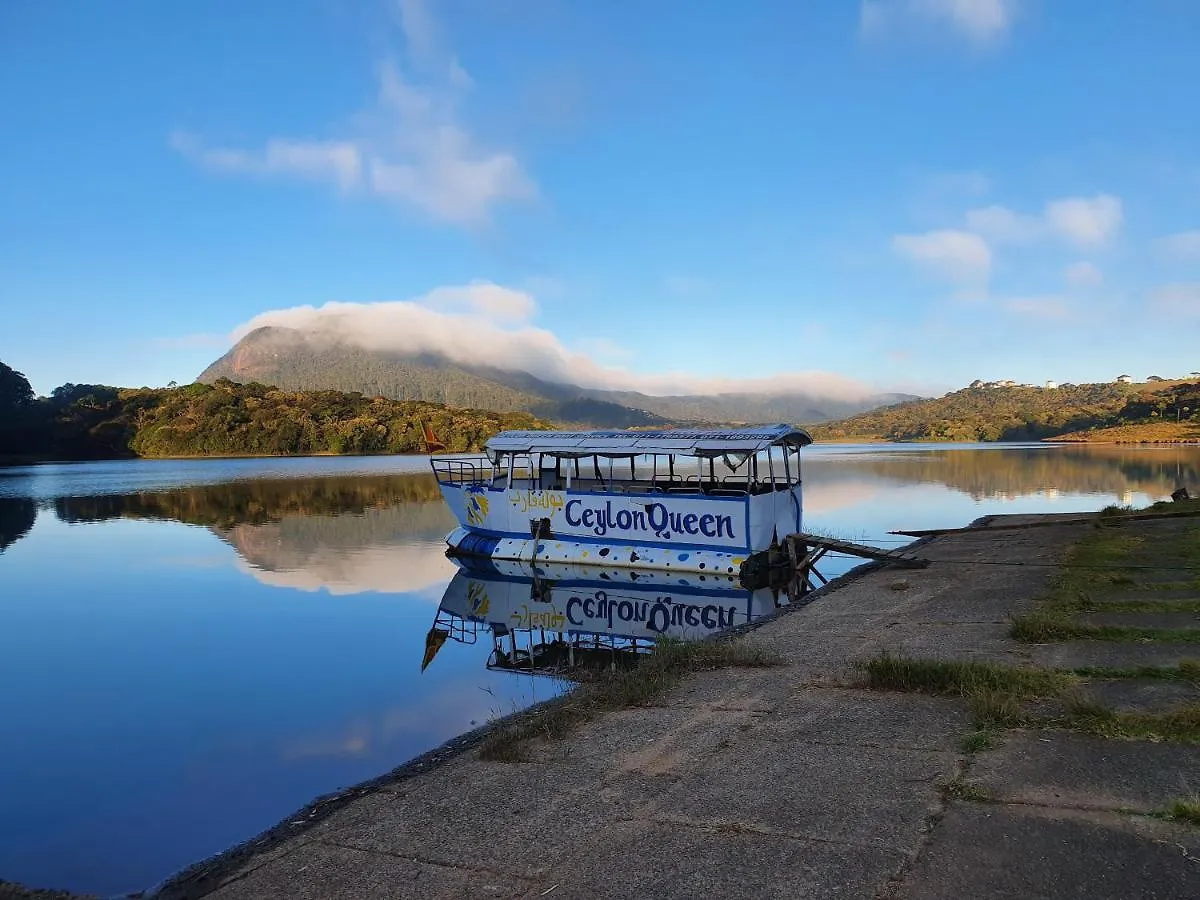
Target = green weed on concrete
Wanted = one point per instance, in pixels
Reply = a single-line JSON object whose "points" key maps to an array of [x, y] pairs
{"points": [[978, 740], [964, 678], [1047, 626], [1181, 724], [998, 698], [1100, 562], [1184, 811], [1187, 670]]}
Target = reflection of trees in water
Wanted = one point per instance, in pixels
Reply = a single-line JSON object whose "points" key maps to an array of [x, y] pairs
{"points": [[256, 502], [17, 516], [342, 531], [1015, 471]]}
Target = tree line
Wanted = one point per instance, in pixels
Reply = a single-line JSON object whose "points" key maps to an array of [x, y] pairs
{"points": [[90, 421], [1020, 413]]}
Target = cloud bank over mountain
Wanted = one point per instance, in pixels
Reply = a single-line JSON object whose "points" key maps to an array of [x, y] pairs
{"points": [[486, 324]]}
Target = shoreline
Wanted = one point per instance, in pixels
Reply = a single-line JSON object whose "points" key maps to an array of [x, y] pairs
{"points": [[18, 461], [853, 789], [182, 885]]}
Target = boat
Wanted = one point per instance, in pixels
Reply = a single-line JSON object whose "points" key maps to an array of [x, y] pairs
{"points": [[552, 619], [674, 500]]}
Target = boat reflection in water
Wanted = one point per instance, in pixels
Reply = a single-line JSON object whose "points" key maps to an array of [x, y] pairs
{"points": [[559, 619]]}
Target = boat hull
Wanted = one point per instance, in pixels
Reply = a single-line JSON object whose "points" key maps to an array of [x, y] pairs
{"points": [[693, 533], [468, 543]]}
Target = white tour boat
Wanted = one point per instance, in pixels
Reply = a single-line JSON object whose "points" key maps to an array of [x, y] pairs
{"points": [[688, 501]]}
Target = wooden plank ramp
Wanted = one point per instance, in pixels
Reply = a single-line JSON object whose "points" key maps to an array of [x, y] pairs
{"points": [[814, 543], [795, 561]]}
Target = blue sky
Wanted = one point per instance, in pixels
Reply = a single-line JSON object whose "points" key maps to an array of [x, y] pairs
{"points": [[901, 194]]}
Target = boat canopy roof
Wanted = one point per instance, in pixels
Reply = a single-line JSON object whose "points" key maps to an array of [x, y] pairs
{"points": [[635, 443]]}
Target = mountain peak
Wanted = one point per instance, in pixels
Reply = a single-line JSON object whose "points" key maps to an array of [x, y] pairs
{"points": [[297, 360]]}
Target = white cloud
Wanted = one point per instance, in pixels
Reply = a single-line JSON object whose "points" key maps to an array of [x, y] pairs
{"points": [[1183, 245], [603, 349], [980, 21], [420, 570], [1179, 299], [1084, 221], [410, 149], [337, 161], [957, 255], [1038, 307], [484, 298], [1002, 224], [1083, 274], [485, 324]]}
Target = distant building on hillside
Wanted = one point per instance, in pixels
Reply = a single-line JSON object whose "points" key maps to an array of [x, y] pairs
{"points": [[1124, 379], [1051, 385]]}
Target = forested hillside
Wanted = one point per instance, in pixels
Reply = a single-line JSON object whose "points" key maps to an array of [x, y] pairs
{"points": [[299, 360], [1030, 413], [101, 422]]}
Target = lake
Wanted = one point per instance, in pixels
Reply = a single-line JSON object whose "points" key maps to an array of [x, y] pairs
{"points": [[192, 650]]}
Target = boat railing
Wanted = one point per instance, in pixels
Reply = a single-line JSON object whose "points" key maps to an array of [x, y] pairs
{"points": [[463, 470], [531, 651]]}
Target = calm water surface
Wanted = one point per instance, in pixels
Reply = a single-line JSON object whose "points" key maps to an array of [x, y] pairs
{"points": [[191, 650]]}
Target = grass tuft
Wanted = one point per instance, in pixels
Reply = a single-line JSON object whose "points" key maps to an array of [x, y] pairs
{"points": [[965, 678], [1184, 810], [657, 673], [1187, 670], [1046, 626], [1181, 724], [972, 793], [977, 741], [997, 709]]}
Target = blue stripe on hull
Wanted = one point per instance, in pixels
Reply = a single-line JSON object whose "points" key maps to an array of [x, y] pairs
{"points": [[627, 554]]}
